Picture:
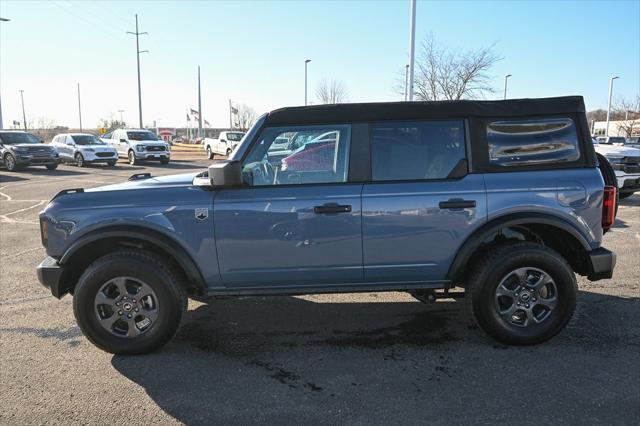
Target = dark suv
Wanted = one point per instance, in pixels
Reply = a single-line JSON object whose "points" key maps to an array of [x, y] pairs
{"points": [[21, 149], [502, 199]]}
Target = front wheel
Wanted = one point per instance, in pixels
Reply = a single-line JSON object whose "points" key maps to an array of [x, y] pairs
{"points": [[111, 163], [209, 153], [132, 158], [10, 163], [164, 161], [129, 302], [79, 160], [522, 293]]}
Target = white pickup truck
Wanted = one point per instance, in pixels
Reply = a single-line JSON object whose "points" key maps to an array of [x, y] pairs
{"points": [[626, 164], [223, 145]]}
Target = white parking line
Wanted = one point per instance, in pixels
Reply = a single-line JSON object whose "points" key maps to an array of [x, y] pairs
{"points": [[4, 217]]}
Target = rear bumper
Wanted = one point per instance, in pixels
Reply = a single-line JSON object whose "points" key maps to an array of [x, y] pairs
{"points": [[601, 264], [50, 274]]}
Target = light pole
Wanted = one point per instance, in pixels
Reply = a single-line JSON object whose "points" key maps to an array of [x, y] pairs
{"points": [[306, 62], [406, 82], [199, 106], [412, 47], [24, 116], [505, 85], [79, 108], [138, 52], [121, 119], [1, 126], [609, 104]]}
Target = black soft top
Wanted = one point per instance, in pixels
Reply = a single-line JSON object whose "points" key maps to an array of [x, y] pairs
{"points": [[378, 111]]}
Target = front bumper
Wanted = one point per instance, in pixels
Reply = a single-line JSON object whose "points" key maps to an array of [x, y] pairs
{"points": [[93, 157], [628, 182], [32, 160], [152, 155], [50, 275], [600, 264]]}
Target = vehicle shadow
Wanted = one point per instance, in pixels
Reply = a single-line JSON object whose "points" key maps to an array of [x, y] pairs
{"points": [[291, 360], [37, 171], [10, 178]]}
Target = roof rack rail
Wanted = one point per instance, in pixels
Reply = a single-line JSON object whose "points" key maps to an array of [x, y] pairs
{"points": [[140, 176], [68, 191]]}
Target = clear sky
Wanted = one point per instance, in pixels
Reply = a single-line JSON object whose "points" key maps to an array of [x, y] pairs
{"points": [[254, 52]]}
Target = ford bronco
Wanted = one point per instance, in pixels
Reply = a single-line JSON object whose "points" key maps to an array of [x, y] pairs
{"points": [[503, 200]]}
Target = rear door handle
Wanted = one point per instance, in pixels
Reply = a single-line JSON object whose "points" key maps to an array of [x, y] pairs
{"points": [[332, 208], [457, 203]]}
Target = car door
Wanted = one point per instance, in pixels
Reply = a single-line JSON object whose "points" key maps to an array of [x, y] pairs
{"points": [[421, 204], [62, 145], [294, 227]]}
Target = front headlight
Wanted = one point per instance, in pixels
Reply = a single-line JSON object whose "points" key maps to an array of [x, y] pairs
{"points": [[140, 148], [615, 160], [19, 150]]}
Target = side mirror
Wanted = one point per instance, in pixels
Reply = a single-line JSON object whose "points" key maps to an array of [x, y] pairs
{"points": [[41, 140], [225, 174], [123, 140], [223, 140]]}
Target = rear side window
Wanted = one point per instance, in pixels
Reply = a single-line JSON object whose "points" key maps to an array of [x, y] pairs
{"points": [[416, 150], [532, 141]]}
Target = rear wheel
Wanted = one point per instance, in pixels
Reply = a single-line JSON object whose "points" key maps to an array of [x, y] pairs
{"points": [[209, 153], [129, 302], [132, 158], [522, 293], [228, 152], [609, 176]]}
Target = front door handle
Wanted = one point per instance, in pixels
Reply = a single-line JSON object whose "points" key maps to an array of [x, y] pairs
{"points": [[332, 208], [457, 203]]}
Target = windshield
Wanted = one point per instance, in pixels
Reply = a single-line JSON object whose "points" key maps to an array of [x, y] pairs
{"points": [[141, 135], [617, 140], [235, 137], [13, 138], [86, 140]]}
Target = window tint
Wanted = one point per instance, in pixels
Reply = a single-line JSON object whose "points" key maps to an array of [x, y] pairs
{"points": [[318, 156], [524, 142], [416, 150]]}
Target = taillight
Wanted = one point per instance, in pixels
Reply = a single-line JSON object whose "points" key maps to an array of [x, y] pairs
{"points": [[44, 231], [608, 207]]}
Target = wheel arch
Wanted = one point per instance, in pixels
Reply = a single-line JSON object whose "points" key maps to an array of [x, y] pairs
{"points": [[549, 230], [98, 243]]}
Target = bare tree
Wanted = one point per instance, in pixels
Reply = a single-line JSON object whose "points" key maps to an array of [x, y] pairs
{"points": [[627, 112], [111, 123], [331, 92], [244, 117], [443, 73]]}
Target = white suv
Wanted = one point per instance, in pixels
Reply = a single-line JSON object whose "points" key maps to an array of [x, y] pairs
{"points": [[138, 144], [626, 164]]}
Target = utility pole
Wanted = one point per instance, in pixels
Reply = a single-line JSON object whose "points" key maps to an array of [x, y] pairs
{"points": [[199, 106], [412, 47], [609, 105], [406, 82], [505, 85], [24, 116], [230, 116], [1, 126], [121, 119], [79, 108], [306, 62], [138, 52]]}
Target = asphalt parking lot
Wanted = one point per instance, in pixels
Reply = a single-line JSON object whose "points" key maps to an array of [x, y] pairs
{"points": [[360, 359]]}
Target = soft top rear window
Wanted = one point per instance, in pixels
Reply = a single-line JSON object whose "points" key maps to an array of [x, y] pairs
{"points": [[519, 142]]}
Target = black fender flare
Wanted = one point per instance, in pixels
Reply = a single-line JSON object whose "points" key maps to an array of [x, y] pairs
{"points": [[481, 234], [147, 235]]}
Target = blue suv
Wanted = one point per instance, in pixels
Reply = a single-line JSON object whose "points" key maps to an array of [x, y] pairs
{"points": [[503, 199]]}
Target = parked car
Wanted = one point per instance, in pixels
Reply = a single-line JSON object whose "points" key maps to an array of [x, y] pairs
{"points": [[503, 199], [21, 149], [625, 161], [223, 145], [611, 140], [138, 144], [83, 148], [633, 142]]}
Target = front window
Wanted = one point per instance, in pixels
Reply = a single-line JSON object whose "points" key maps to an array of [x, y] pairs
{"points": [[11, 138], [311, 154], [141, 135], [234, 137], [86, 140]]}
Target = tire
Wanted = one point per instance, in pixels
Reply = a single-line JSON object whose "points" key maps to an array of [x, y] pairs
{"points": [[111, 163], [52, 166], [624, 195], [609, 177], [228, 152], [498, 266], [209, 153], [166, 297], [132, 158], [164, 161], [10, 163], [79, 160]]}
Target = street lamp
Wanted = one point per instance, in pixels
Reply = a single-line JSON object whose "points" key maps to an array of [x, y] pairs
{"points": [[609, 105], [24, 116], [1, 126], [121, 119], [305, 80], [505, 85], [406, 82]]}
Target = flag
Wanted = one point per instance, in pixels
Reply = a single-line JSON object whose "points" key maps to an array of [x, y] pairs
{"points": [[188, 118], [195, 114], [206, 123], [234, 110]]}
